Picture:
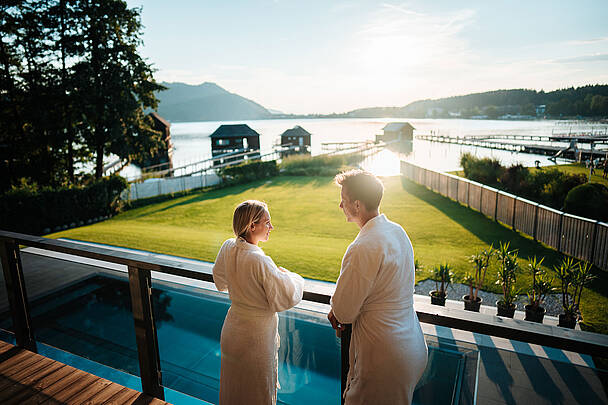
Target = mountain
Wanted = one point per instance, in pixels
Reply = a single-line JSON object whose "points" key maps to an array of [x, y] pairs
{"points": [[206, 102], [587, 101]]}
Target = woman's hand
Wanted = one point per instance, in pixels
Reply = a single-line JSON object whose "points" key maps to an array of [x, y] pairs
{"points": [[284, 270]]}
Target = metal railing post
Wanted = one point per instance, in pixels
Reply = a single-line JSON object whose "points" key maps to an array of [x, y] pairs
{"points": [[496, 205], [534, 230], [17, 295], [344, 355], [559, 233], [593, 240], [140, 285], [513, 217]]}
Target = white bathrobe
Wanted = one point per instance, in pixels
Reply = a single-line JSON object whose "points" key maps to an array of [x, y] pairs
{"points": [[374, 292], [250, 339]]}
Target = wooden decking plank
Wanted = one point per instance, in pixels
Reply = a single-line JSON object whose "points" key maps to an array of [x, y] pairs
{"points": [[9, 393], [40, 384], [23, 374], [17, 363], [75, 387], [122, 397], [5, 347], [13, 356], [138, 399], [59, 384], [106, 393], [29, 378]]}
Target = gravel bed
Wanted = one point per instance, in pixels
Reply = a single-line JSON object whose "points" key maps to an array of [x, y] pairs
{"points": [[553, 302]]}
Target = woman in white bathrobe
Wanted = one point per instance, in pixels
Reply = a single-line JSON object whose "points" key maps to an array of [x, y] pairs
{"points": [[258, 290]]}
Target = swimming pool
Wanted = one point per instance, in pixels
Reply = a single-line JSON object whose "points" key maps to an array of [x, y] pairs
{"points": [[92, 319]]}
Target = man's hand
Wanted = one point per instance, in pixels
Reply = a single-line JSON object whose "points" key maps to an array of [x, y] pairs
{"points": [[335, 323]]}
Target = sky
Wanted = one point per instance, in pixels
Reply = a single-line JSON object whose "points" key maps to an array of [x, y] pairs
{"points": [[327, 56]]}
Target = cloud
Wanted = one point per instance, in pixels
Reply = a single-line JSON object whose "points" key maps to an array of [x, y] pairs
{"points": [[598, 57], [578, 42]]}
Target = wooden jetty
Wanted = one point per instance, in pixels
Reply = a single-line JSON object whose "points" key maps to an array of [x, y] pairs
{"points": [[496, 142], [29, 378]]}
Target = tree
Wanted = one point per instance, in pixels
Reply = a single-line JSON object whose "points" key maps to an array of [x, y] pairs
{"points": [[72, 88], [115, 83]]}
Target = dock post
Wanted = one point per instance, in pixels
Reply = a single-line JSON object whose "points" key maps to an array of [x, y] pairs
{"points": [[17, 295], [140, 285]]}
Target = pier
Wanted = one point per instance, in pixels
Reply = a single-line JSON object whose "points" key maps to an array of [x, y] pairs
{"points": [[498, 142]]}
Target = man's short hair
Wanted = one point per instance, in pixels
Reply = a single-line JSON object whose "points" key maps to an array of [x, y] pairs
{"points": [[363, 186]]}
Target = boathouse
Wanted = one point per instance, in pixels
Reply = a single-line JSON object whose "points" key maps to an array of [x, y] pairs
{"points": [[296, 137], [401, 131], [232, 139]]}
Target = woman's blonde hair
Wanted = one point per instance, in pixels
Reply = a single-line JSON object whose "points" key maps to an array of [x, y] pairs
{"points": [[245, 214]]}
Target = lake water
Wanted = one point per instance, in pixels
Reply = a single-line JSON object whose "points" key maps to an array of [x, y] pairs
{"points": [[192, 142]]}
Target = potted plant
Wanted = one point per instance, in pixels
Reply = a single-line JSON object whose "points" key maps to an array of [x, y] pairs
{"points": [[442, 275], [573, 278], [507, 266], [541, 286], [481, 262]]}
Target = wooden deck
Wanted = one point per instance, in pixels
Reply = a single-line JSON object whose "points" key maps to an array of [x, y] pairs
{"points": [[29, 378]]}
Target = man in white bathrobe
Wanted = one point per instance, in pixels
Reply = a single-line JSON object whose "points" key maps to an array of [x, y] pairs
{"points": [[388, 353]]}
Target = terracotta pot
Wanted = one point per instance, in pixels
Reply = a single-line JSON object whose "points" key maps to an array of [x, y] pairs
{"points": [[437, 299], [471, 305], [503, 310], [534, 314], [567, 321]]}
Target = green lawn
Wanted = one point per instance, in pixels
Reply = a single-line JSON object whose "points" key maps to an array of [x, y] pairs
{"points": [[311, 234], [577, 168]]}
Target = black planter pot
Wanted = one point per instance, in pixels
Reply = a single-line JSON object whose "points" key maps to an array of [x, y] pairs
{"points": [[503, 310], [471, 305], [567, 321], [437, 299], [534, 314]]}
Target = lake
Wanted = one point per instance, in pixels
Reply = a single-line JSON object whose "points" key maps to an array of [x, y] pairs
{"points": [[192, 143]]}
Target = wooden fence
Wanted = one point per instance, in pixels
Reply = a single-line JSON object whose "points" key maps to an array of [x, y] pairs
{"points": [[583, 238]]}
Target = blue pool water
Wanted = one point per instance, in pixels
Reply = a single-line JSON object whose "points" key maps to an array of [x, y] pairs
{"points": [[92, 319]]}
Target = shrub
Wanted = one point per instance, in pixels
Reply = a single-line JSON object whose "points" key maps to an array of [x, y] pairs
{"points": [[249, 171], [516, 179], [482, 170], [547, 186], [589, 200], [34, 211], [322, 165]]}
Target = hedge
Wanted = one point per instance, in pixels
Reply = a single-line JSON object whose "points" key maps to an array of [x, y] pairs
{"points": [[250, 171], [41, 211]]}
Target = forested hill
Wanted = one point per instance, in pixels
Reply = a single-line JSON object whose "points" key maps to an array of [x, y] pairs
{"points": [[206, 102], [586, 101]]}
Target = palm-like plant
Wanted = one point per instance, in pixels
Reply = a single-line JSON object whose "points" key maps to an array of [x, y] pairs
{"points": [[541, 283], [507, 266], [442, 275], [481, 262], [573, 277]]}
